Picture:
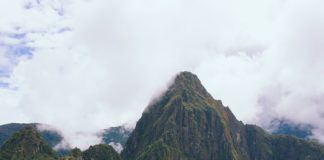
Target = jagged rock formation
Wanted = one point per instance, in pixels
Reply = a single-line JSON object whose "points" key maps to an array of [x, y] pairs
{"points": [[187, 123], [26, 144]]}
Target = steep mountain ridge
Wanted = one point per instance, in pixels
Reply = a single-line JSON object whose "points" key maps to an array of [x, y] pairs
{"points": [[186, 123]]}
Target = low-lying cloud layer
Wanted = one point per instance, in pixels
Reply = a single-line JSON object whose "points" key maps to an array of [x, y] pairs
{"points": [[82, 66]]}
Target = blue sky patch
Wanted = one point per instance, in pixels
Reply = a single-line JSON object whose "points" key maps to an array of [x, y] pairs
{"points": [[18, 36], [64, 29], [4, 85], [4, 72], [21, 50]]}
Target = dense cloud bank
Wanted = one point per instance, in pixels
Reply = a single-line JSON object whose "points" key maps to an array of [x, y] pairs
{"points": [[82, 66]]}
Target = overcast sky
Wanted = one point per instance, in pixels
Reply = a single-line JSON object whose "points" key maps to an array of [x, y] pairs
{"points": [[85, 65]]}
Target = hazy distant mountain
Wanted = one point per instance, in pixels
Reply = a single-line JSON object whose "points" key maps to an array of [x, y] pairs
{"points": [[286, 127], [116, 137], [186, 123]]}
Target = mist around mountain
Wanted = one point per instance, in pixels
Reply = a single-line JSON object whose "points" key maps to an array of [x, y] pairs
{"points": [[187, 123], [114, 136], [286, 127], [184, 123], [28, 144], [118, 136]]}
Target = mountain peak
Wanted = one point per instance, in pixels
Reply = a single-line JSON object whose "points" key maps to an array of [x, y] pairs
{"points": [[175, 126], [188, 84], [187, 78], [186, 123], [186, 75]]}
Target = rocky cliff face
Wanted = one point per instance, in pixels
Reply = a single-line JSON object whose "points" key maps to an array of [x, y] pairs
{"points": [[187, 123]]}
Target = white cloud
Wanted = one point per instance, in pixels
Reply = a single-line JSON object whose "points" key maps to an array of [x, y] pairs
{"points": [[96, 64], [117, 146]]}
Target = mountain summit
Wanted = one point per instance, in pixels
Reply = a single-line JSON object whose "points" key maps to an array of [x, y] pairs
{"points": [[187, 123], [188, 82]]}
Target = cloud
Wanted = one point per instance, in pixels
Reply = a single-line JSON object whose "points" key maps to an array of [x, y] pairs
{"points": [[117, 146], [96, 64]]}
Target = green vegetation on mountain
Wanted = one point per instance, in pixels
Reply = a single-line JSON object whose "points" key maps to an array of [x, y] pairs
{"points": [[96, 152], [186, 123], [74, 154], [6, 131], [100, 152], [26, 144], [117, 135]]}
